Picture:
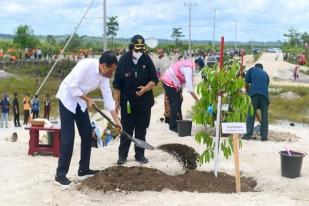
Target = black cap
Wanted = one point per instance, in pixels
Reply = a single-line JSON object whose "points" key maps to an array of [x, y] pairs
{"points": [[200, 62], [138, 42], [259, 65]]}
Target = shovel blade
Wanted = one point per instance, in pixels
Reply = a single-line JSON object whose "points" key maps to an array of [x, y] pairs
{"points": [[142, 144], [139, 143]]}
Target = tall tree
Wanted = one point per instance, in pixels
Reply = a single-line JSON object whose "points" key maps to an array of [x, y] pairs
{"points": [[24, 37], [293, 37], [176, 35], [51, 41], [75, 44], [305, 38], [112, 28]]}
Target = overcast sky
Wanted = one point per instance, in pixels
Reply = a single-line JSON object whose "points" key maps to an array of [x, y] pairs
{"points": [[258, 20]]}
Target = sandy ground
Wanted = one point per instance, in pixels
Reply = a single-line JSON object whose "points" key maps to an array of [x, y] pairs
{"points": [[27, 180]]}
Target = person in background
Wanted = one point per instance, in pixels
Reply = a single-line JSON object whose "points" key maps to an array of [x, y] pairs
{"points": [[173, 79], [47, 107], [27, 107], [5, 107], [35, 107], [256, 84], [295, 73], [16, 110], [133, 83]]}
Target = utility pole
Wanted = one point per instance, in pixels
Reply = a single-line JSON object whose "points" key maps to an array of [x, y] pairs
{"points": [[104, 27], [235, 27], [214, 30], [252, 46], [190, 7]]}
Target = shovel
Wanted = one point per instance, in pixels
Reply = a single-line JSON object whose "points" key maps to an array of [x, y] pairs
{"points": [[137, 142]]}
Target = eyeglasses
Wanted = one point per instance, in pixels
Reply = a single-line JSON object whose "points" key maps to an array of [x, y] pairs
{"points": [[139, 49]]}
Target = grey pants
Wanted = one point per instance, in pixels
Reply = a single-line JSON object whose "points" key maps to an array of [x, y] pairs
{"points": [[258, 102]]}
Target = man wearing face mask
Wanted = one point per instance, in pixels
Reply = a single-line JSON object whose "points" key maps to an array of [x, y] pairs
{"points": [[86, 76], [133, 83]]}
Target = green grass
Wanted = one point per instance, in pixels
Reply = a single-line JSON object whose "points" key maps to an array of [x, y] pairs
{"points": [[23, 85], [301, 91], [27, 84], [295, 110], [305, 71], [291, 110]]}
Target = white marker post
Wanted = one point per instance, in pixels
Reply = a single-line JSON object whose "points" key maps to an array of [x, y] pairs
{"points": [[217, 139], [218, 120]]}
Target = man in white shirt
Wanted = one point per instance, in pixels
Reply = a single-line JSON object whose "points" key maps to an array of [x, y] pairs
{"points": [[86, 76]]}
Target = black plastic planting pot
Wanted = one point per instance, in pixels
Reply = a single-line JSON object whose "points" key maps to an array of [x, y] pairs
{"points": [[184, 127], [291, 165]]}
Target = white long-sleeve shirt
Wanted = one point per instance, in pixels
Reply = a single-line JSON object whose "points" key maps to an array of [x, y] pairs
{"points": [[84, 78], [187, 71]]}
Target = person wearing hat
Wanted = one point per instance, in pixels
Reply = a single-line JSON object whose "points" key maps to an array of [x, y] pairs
{"points": [[88, 75], [173, 79], [134, 79]]}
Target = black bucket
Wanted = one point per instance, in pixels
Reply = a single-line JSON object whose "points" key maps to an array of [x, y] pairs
{"points": [[291, 165], [184, 127]]}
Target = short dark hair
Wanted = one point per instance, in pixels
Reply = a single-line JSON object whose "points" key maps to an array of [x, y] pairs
{"points": [[259, 65], [108, 58]]}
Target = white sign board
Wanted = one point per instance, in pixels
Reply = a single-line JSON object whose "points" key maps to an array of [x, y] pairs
{"points": [[225, 107], [234, 128]]}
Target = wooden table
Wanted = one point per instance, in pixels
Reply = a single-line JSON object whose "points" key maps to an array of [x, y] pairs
{"points": [[35, 147]]}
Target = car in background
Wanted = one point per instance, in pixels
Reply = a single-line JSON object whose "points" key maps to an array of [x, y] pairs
{"points": [[212, 61], [274, 50], [256, 51]]}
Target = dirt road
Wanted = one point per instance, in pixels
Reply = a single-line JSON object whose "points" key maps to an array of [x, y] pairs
{"points": [[279, 71]]}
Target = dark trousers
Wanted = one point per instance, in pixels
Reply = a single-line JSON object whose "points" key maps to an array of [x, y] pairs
{"points": [[46, 113], [16, 120], [35, 114], [67, 138], [258, 102], [26, 116], [174, 97], [138, 120]]}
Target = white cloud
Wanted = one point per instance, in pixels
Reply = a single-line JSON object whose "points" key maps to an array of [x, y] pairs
{"points": [[14, 8], [258, 19]]}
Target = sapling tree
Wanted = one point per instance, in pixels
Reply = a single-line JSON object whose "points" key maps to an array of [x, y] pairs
{"points": [[228, 83]]}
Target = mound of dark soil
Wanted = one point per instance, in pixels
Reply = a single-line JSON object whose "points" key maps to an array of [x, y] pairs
{"points": [[186, 155], [148, 179]]}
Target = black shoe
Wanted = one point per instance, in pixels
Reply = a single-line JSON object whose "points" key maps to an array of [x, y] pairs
{"points": [[245, 137], [142, 160], [121, 161], [174, 130], [264, 139], [167, 120], [85, 174], [63, 181]]}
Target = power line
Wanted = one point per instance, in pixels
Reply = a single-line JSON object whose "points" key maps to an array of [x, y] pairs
{"points": [[235, 27], [214, 29], [104, 27]]}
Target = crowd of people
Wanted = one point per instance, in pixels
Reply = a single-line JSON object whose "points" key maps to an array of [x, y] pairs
{"points": [[136, 74], [31, 109]]}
